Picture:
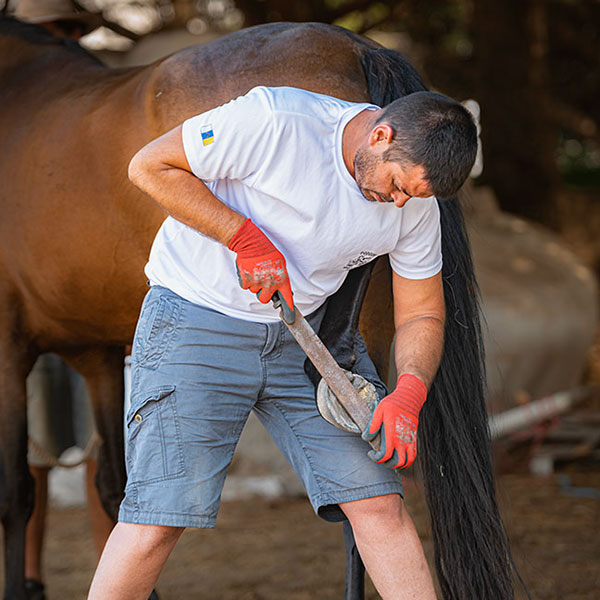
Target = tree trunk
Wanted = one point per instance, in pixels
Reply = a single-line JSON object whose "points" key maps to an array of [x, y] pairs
{"points": [[519, 139]]}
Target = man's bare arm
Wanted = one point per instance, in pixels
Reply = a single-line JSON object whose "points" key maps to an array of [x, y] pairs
{"points": [[419, 316], [161, 170]]}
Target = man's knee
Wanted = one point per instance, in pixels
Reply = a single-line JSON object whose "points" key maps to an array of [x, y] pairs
{"points": [[388, 507], [149, 536]]}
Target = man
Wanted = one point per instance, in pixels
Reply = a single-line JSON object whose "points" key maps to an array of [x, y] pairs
{"points": [[286, 190]]}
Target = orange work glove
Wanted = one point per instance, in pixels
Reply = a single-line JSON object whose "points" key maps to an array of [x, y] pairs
{"points": [[396, 417], [261, 267]]}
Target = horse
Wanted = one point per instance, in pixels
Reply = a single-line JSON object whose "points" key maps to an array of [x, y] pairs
{"points": [[74, 237]]}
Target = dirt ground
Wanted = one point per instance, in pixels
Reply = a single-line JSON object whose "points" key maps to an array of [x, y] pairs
{"points": [[267, 550]]}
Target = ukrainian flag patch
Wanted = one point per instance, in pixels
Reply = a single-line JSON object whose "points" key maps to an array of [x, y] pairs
{"points": [[208, 137]]}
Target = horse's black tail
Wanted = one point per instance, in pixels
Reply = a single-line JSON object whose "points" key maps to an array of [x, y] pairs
{"points": [[472, 554]]}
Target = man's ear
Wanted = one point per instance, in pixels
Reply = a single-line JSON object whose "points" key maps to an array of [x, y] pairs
{"points": [[381, 136]]}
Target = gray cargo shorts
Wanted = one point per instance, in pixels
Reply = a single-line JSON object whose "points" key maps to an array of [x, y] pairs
{"points": [[196, 375]]}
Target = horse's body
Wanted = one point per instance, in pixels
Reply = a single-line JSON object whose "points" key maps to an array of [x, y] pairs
{"points": [[72, 129], [74, 237]]}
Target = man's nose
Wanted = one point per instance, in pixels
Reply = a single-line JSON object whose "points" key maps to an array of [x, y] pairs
{"points": [[400, 198]]}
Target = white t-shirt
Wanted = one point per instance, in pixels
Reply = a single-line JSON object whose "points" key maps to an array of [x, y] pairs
{"points": [[275, 156]]}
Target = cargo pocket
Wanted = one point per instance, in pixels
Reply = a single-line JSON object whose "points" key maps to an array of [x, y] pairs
{"points": [[156, 328], [154, 445]]}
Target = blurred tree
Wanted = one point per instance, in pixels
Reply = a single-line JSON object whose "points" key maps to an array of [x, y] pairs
{"points": [[531, 64], [510, 39]]}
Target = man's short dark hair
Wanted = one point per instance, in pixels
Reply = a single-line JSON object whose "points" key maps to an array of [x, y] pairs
{"points": [[436, 132]]}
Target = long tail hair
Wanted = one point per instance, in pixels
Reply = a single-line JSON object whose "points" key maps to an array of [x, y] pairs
{"points": [[472, 554]]}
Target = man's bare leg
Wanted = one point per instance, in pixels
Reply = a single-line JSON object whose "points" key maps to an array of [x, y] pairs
{"points": [[132, 560], [390, 548]]}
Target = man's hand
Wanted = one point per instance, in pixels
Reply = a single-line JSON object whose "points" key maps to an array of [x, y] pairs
{"points": [[397, 418], [261, 267]]}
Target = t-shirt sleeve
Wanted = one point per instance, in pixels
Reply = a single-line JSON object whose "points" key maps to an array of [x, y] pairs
{"points": [[231, 141], [418, 254]]}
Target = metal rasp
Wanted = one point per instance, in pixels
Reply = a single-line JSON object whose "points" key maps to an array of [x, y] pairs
{"points": [[326, 365]]}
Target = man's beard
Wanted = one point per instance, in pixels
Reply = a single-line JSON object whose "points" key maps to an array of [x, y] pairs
{"points": [[365, 164]]}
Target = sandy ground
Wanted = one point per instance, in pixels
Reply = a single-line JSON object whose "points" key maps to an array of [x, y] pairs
{"points": [[274, 549]]}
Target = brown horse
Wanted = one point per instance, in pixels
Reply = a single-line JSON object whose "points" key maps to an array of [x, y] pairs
{"points": [[74, 237]]}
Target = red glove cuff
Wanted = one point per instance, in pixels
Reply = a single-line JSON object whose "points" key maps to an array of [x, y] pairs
{"points": [[249, 241], [413, 393]]}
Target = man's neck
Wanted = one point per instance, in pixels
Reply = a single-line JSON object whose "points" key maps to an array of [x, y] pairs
{"points": [[356, 133]]}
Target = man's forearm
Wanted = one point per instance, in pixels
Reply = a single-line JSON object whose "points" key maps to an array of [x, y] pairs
{"points": [[418, 349], [396, 418], [160, 170], [186, 198]]}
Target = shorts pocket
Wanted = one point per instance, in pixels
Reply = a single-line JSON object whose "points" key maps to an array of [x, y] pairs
{"points": [[156, 328], [154, 446]]}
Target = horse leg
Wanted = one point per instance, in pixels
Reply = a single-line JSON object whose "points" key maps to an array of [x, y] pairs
{"points": [[337, 332], [376, 322], [103, 372], [340, 320], [16, 484], [355, 569], [369, 285]]}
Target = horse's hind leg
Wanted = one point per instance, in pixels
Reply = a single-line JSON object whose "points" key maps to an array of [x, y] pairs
{"points": [[103, 372], [355, 569], [337, 333], [16, 484]]}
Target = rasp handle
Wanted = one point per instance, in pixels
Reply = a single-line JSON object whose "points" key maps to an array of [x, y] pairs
{"points": [[331, 372]]}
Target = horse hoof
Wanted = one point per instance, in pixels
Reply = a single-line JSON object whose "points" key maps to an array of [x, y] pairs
{"points": [[34, 590], [332, 410]]}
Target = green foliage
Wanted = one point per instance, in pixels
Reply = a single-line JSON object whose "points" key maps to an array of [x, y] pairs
{"points": [[579, 162], [361, 20], [352, 21]]}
